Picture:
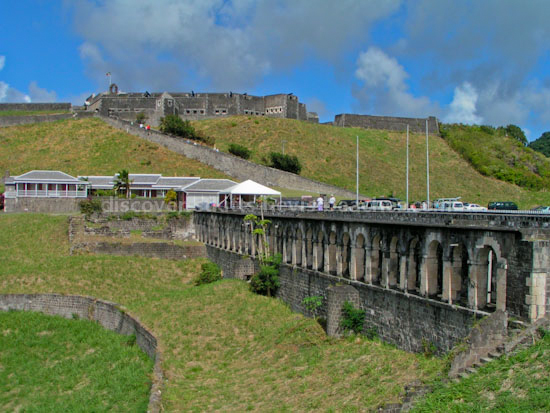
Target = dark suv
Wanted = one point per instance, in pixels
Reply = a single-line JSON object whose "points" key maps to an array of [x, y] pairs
{"points": [[502, 205]]}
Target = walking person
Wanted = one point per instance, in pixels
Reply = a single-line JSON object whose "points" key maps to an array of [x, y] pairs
{"points": [[331, 202], [320, 202]]}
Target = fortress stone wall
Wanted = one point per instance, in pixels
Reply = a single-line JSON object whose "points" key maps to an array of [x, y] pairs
{"points": [[34, 106], [416, 125], [196, 106]]}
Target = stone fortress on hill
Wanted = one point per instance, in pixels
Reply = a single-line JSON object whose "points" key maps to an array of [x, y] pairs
{"points": [[196, 106]]}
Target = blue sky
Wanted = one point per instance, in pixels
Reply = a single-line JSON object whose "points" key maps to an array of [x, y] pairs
{"points": [[469, 61]]}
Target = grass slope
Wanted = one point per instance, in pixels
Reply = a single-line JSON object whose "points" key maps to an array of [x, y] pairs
{"points": [[494, 154], [90, 147], [53, 364], [516, 383], [224, 348], [328, 155]]}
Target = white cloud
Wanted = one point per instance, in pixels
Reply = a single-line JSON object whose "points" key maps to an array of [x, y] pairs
{"points": [[463, 106], [38, 94], [383, 89], [2, 62], [229, 44]]}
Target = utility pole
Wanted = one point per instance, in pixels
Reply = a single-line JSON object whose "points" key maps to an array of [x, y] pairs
{"points": [[357, 173], [407, 205], [427, 167]]}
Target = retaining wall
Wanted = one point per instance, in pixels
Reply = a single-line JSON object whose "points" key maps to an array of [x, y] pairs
{"points": [[410, 322], [110, 315], [25, 120], [35, 106], [45, 205], [234, 166], [162, 250]]}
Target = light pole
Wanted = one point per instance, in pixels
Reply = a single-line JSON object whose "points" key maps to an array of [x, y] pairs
{"points": [[283, 146], [427, 167], [407, 205], [357, 172]]}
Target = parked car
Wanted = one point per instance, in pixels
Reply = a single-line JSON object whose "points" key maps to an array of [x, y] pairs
{"points": [[346, 204], [451, 206], [542, 209], [473, 207], [1, 202], [502, 206], [379, 205]]}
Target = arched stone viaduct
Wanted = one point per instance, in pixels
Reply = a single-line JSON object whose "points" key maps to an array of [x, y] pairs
{"points": [[421, 276]]}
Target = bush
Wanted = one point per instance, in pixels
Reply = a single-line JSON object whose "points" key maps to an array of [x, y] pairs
{"points": [[266, 282], [174, 125], [140, 117], [210, 273], [239, 150], [289, 163], [352, 318], [90, 206], [105, 192]]}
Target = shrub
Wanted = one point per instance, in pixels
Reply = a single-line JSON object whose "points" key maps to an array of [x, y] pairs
{"points": [[352, 318], [210, 273], [171, 199], [140, 117], [289, 163], [202, 137], [89, 206], [312, 303], [266, 282], [128, 215], [239, 150], [106, 192], [174, 125]]}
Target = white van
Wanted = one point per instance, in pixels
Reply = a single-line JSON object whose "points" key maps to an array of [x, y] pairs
{"points": [[379, 205], [451, 206]]}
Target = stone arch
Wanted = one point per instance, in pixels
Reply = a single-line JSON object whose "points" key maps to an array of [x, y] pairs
{"points": [[113, 89], [413, 266], [393, 263], [318, 252], [376, 258], [309, 249], [358, 262], [297, 248], [332, 252], [433, 267], [455, 278], [345, 255], [488, 277]]}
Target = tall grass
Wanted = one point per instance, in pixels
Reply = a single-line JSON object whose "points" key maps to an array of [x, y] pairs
{"points": [[224, 348]]}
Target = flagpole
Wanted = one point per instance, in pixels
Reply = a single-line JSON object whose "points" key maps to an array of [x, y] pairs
{"points": [[427, 167], [357, 173], [407, 205]]}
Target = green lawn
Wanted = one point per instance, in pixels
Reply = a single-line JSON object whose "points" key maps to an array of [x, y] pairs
{"points": [[51, 364], [223, 347]]}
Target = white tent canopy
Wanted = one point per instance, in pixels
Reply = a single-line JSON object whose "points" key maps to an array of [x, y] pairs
{"points": [[247, 189]]}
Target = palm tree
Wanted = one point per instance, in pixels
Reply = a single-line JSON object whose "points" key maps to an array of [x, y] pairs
{"points": [[122, 182]]}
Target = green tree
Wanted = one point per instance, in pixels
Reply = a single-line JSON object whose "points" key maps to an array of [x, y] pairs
{"points": [[171, 198], [516, 133], [140, 117], [122, 183], [542, 144], [289, 163], [174, 125]]}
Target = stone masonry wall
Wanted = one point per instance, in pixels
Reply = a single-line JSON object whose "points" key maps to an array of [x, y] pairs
{"points": [[234, 166], [25, 120], [411, 322], [387, 122], [161, 250], [34, 106], [45, 205], [110, 315]]}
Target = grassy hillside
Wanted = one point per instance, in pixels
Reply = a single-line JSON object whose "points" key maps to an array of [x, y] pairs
{"points": [[492, 153], [328, 154], [224, 348], [516, 383], [89, 147]]}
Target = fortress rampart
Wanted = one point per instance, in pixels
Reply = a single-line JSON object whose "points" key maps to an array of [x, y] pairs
{"points": [[196, 106], [416, 125]]}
